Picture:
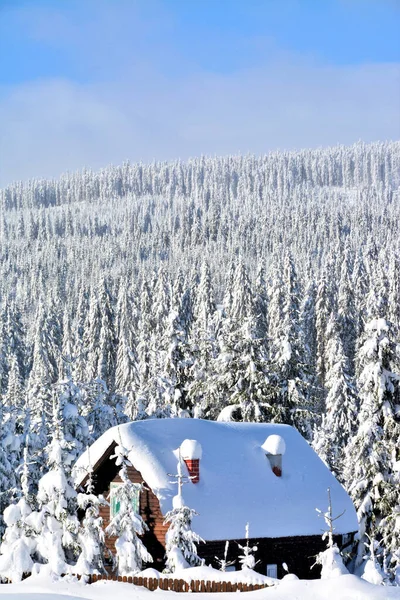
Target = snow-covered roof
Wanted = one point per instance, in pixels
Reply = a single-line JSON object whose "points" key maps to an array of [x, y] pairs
{"points": [[236, 483]]}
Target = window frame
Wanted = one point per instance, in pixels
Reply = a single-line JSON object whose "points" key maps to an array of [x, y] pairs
{"points": [[274, 567], [135, 501]]}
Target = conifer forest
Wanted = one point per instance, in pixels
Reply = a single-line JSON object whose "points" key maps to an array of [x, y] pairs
{"points": [[249, 288]]}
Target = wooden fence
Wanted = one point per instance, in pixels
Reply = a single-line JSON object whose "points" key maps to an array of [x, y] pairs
{"points": [[180, 585]]}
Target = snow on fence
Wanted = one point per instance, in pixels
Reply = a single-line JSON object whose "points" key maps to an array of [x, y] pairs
{"points": [[180, 585]]}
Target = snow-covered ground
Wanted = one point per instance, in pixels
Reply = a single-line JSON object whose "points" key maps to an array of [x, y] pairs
{"points": [[346, 587]]}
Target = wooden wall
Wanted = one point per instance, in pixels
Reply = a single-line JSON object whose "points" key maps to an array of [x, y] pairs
{"points": [[154, 539]]}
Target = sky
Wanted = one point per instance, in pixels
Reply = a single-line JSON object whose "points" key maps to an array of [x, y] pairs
{"points": [[86, 83]]}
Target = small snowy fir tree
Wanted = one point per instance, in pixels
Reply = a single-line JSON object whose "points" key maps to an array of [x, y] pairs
{"points": [[19, 541], [91, 533], [18, 544], [56, 522], [373, 572], [224, 563], [330, 559], [181, 549], [247, 559], [127, 525]]}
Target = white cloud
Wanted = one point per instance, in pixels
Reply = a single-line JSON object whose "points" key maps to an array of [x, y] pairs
{"points": [[137, 112]]}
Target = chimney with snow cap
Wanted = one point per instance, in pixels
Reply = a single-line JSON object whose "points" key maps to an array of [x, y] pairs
{"points": [[191, 453], [274, 448]]}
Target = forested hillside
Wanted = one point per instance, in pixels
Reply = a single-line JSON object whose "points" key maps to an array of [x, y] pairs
{"points": [[264, 287]]}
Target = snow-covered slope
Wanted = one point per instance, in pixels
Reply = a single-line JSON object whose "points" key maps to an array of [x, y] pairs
{"points": [[347, 587], [236, 484]]}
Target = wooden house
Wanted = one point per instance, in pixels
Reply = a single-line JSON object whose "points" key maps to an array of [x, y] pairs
{"points": [[263, 474]]}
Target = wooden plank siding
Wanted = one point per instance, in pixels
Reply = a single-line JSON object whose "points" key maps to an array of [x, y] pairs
{"points": [[106, 472]]}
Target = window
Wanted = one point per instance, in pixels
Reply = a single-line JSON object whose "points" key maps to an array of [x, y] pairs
{"points": [[272, 571], [114, 503], [346, 539]]}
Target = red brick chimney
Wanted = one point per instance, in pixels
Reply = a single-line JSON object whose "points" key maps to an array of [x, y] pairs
{"points": [[274, 448], [191, 453]]}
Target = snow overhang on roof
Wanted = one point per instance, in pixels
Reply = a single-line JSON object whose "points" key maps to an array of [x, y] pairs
{"points": [[274, 444], [191, 450], [235, 486]]}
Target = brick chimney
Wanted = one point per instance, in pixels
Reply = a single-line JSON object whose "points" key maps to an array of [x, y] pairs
{"points": [[274, 448], [191, 453]]}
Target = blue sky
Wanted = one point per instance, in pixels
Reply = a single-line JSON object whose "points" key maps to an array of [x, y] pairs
{"points": [[89, 82]]}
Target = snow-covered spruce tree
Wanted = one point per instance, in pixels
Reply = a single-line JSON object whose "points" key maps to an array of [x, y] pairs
{"points": [[330, 559], [307, 321], [7, 469], [323, 309], [14, 398], [19, 541], [126, 372], [177, 358], [347, 314], [158, 392], [98, 408], [261, 304], [180, 540], [78, 334], [241, 366], [340, 417], [75, 427], [15, 339], [91, 533], [127, 525], [144, 334], [99, 338], [43, 375], [291, 379], [56, 523], [394, 290], [373, 452], [203, 347]]}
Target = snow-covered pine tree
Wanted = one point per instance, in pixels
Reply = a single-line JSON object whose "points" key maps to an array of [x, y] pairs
{"points": [[330, 559], [247, 559], [341, 405], [224, 563], [91, 533], [43, 375], [180, 540], [127, 524], [347, 314], [203, 347], [323, 309], [99, 338], [241, 366], [144, 335], [7, 469], [291, 378], [374, 450], [126, 372], [98, 408], [19, 541], [74, 425], [55, 523]]}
